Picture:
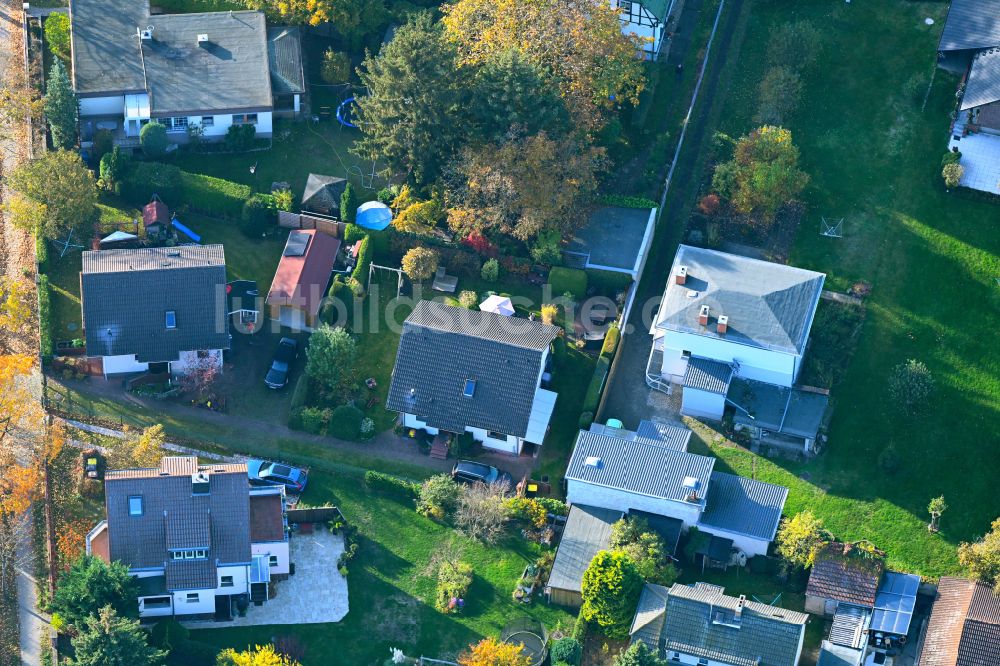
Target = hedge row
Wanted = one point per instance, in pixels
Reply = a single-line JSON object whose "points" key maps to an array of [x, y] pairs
{"points": [[204, 194], [41, 252], [45, 318], [593, 396], [392, 486], [607, 283], [211, 195], [628, 201], [360, 272]]}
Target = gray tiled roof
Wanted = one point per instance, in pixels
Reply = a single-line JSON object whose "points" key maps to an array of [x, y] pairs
{"points": [[642, 466], [143, 541], [767, 634], [127, 293], [838, 655], [322, 193], [704, 374], [983, 85], [971, 24], [284, 51], [769, 305], [443, 346], [742, 505], [587, 532], [671, 436], [792, 411], [228, 73], [648, 623]]}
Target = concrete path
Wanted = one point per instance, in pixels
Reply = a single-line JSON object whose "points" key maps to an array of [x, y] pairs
{"points": [[34, 626]]}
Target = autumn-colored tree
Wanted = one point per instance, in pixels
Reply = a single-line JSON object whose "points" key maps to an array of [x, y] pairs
{"points": [[22, 419], [982, 558], [20, 102], [491, 652], [763, 175], [71, 541], [523, 186], [800, 538], [138, 449], [419, 263], [63, 183], [15, 306], [579, 45], [259, 655]]}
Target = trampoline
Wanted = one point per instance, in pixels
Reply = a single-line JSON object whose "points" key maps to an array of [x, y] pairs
{"points": [[345, 112], [531, 636], [373, 215]]}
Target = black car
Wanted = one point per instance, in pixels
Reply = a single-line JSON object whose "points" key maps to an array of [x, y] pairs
{"points": [[467, 471], [277, 376]]}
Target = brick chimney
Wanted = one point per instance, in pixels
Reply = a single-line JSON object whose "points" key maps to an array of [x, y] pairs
{"points": [[722, 325], [739, 606], [703, 316], [682, 275]]}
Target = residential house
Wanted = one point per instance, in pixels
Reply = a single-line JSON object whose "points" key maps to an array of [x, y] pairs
{"points": [[322, 194], [587, 532], [199, 540], [301, 279], [155, 309], [207, 71], [613, 239], [732, 331], [700, 624], [460, 370], [650, 470], [647, 20], [970, 46], [843, 574], [964, 627]]}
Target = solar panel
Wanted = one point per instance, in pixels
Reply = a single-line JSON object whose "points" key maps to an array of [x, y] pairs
{"points": [[296, 244]]}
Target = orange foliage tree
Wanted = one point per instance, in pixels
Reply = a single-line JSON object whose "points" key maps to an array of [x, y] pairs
{"points": [[491, 652]]}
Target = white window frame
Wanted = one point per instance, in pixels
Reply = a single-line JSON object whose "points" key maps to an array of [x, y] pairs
{"points": [[192, 598], [175, 123], [244, 119], [208, 121], [131, 511], [272, 560], [226, 581]]}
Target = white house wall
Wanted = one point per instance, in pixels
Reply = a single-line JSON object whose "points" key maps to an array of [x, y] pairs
{"points": [[765, 365], [703, 404], [114, 365], [103, 106], [749, 545], [278, 548], [204, 605], [187, 359], [510, 445], [220, 125], [580, 492], [650, 37], [240, 583]]}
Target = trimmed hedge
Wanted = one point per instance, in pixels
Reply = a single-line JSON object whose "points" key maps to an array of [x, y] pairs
{"points": [[360, 272], [611, 339], [41, 252], [213, 196], [593, 396], [144, 179], [45, 318], [571, 280], [607, 283], [300, 393], [353, 233], [628, 201], [345, 422], [392, 486]]}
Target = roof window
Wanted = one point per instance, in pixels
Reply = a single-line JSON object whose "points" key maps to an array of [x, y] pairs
{"points": [[470, 388], [171, 319]]}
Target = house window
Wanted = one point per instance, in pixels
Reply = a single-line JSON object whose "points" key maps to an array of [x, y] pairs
{"points": [[171, 319], [135, 505], [703, 662], [244, 118], [496, 435], [227, 581], [272, 560], [192, 598], [150, 603], [208, 121], [625, 6], [685, 353], [177, 124], [189, 554]]}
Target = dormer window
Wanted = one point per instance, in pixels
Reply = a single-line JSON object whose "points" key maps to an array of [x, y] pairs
{"points": [[171, 319], [189, 554], [135, 505]]}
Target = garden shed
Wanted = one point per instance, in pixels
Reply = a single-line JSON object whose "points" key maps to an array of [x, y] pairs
{"points": [[587, 532]]}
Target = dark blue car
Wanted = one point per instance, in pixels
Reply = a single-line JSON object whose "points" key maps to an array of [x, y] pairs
{"points": [[267, 473]]}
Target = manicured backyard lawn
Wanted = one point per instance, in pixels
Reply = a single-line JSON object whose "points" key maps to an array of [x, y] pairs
{"points": [[933, 259], [392, 588]]}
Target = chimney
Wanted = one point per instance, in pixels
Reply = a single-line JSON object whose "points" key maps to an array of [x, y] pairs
{"points": [[202, 38], [199, 483], [739, 606], [722, 325], [681, 276], [703, 316]]}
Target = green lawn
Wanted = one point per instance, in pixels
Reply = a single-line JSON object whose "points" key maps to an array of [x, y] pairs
{"points": [[933, 259], [391, 588]]}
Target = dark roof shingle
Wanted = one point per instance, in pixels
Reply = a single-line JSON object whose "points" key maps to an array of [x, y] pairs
{"points": [[284, 51], [971, 24], [587, 532], [127, 293], [704, 374], [745, 506]]}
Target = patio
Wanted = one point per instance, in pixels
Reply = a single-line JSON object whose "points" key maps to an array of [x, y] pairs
{"points": [[316, 594], [980, 156]]}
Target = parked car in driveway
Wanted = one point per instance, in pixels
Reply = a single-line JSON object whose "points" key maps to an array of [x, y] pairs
{"points": [[468, 471], [277, 375], [267, 473]]}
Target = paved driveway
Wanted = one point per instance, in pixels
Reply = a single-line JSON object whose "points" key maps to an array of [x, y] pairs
{"points": [[316, 594]]}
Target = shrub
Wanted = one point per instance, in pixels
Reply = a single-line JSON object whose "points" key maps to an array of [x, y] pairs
{"points": [[593, 395], [419, 263], [468, 299], [391, 485], [586, 419], [952, 174], [628, 201], [345, 422], [258, 215], [283, 200], [549, 313], [353, 233], [113, 168], [360, 272], [104, 143], [610, 591], [779, 94], [709, 205], [611, 339], [951, 157], [153, 139], [367, 429], [645, 548], [911, 385], [438, 497], [240, 137], [527, 509], [491, 270], [142, 180], [568, 280], [314, 419], [330, 360], [480, 244], [794, 44], [464, 446], [546, 248], [454, 580], [213, 196], [336, 67], [568, 650], [57, 35], [45, 318], [554, 506], [348, 203], [464, 264], [41, 251], [800, 538]]}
